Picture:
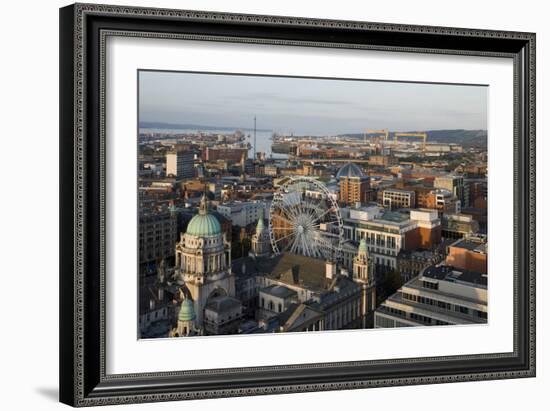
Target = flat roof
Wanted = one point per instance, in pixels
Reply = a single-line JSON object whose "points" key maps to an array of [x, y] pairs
{"points": [[453, 274], [471, 245], [393, 217]]}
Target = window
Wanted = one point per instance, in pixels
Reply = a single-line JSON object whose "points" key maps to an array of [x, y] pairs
{"points": [[481, 314], [421, 318], [461, 309], [384, 322], [431, 285]]}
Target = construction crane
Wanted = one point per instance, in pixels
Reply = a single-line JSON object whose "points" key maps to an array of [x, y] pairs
{"points": [[384, 132], [424, 137]]}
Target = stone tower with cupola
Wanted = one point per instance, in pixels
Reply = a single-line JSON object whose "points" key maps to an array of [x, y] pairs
{"points": [[261, 245], [363, 274], [203, 261]]}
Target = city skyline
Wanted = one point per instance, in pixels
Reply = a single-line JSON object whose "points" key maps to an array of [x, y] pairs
{"points": [[307, 228], [308, 105]]}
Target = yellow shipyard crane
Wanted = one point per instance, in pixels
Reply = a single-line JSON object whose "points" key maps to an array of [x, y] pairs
{"points": [[422, 135], [385, 133]]}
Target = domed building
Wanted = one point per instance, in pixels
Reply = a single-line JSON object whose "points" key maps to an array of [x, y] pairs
{"points": [[350, 170], [354, 185], [203, 261]]}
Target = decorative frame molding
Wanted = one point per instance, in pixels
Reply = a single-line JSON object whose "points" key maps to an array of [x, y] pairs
{"points": [[84, 29]]}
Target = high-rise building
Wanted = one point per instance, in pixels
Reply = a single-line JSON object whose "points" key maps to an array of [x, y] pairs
{"points": [[180, 164], [354, 185], [157, 236]]}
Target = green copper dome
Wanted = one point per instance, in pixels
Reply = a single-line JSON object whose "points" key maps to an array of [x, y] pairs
{"points": [[187, 311], [363, 246], [204, 224]]}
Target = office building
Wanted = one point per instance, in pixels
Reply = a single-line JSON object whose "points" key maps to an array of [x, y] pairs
{"points": [[157, 236], [180, 164], [441, 295], [242, 213], [388, 232], [396, 198]]}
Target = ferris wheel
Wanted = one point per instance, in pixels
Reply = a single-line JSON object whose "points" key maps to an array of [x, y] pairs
{"points": [[305, 219]]}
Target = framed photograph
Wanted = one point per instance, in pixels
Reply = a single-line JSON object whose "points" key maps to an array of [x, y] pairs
{"points": [[262, 204]]}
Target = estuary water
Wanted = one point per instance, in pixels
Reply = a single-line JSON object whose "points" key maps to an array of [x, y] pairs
{"points": [[263, 139]]}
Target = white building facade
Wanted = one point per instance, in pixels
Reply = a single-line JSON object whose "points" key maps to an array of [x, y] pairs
{"points": [[242, 213]]}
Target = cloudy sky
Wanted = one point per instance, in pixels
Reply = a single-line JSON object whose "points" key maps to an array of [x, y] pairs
{"points": [[308, 106]]}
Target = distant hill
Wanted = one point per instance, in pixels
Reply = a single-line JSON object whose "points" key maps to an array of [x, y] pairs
{"points": [[464, 137], [472, 138], [201, 127]]}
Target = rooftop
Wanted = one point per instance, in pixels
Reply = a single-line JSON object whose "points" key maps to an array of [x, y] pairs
{"points": [[279, 291], [394, 217], [472, 244], [398, 190], [296, 270], [221, 304], [453, 274]]}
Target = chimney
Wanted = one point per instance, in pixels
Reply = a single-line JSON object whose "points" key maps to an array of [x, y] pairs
{"points": [[330, 269]]}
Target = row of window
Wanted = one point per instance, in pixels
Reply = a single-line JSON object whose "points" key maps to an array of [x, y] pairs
{"points": [[414, 316], [444, 305]]}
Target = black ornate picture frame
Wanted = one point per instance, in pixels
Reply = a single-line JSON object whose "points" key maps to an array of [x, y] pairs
{"points": [[83, 32]]}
